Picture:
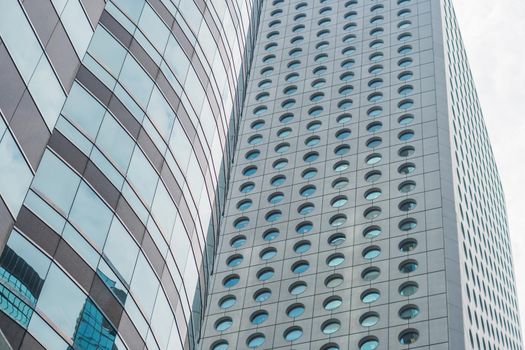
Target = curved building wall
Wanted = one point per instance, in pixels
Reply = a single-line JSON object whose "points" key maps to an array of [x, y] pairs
{"points": [[129, 181]]}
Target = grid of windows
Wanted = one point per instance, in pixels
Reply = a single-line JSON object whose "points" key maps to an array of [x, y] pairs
{"points": [[346, 113]]}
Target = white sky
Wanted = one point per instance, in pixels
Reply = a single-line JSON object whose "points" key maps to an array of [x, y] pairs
{"points": [[492, 32]]}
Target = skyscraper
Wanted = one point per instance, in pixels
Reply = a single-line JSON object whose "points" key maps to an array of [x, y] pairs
{"points": [[232, 174]]}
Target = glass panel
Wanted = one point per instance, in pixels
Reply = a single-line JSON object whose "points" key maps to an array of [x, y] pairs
{"points": [[90, 215], [136, 81], [15, 174], [142, 176], [144, 285], [20, 40], [61, 300], [56, 181], [160, 113], [121, 250], [107, 50], [45, 334], [77, 26], [154, 29], [115, 142]]}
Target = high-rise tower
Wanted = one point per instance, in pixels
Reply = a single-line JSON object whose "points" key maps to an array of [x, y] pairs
{"points": [[365, 209], [233, 174]]}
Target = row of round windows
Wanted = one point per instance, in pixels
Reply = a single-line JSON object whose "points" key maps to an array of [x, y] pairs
{"points": [[294, 333], [327, 10]]}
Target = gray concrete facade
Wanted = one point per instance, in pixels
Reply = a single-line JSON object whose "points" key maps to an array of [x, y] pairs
{"points": [[363, 179]]}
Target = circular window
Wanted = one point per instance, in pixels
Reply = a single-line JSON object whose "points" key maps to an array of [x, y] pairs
{"points": [[282, 147], [230, 281], [346, 77], [292, 77], [407, 289], [315, 111], [318, 83], [375, 83], [406, 135], [336, 239], [371, 253], [333, 281], [295, 310], [407, 186], [256, 125], [300, 266], [244, 204], [259, 317], [370, 274], [408, 312], [304, 227], [407, 245], [372, 213], [407, 168], [332, 303], [238, 241], [312, 126], [404, 76], [374, 127], [407, 205], [223, 324], [306, 208], [406, 119], [406, 151], [284, 132], [278, 180], [405, 90], [297, 288], [340, 182], [408, 266], [262, 295], [234, 260], [248, 171], [220, 345], [373, 159], [276, 197], [265, 84], [310, 157], [302, 247], [372, 232], [343, 134], [372, 194], [344, 118], [268, 253], [293, 333], [309, 173], [255, 340], [307, 191], [241, 223], [265, 274], [339, 201], [270, 234], [373, 176], [251, 155], [273, 216], [370, 296], [280, 164], [341, 166], [330, 326], [337, 220], [369, 344], [407, 224], [410, 336], [374, 142], [227, 302], [369, 319], [342, 150], [335, 260], [312, 141]]}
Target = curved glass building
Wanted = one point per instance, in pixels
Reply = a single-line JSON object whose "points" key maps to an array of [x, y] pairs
{"points": [[117, 130], [247, 174]]}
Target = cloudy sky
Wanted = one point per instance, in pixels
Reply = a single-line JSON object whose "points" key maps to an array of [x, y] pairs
{"points": [[492, 32]]}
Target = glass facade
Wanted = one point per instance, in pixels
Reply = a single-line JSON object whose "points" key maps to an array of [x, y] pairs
{"points": [[117, 130], [236, 174]]}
